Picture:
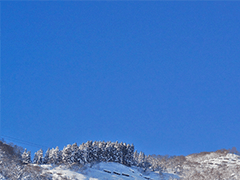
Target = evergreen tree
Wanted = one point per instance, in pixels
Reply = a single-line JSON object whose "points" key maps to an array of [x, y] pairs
{"points": [[51, 156], [46, 157], [127, 155], [135, 157], [141, 157], [88, 152], [109, 151], [101, 152], [74, 153], [38, 157], [96, 151], [114, 151], [57, 158], [80, 154], [67, 154], [120, 152], [26, 157], [142, 161], [117, 152], [131, 154], [124, 154], [85, 152]]}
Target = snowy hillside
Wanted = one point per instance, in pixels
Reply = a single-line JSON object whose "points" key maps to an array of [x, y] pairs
{"points": [[213, 160], [103, 171], [212, 165], [100, 171], [228, 160], [108, 160], [90, 160]]}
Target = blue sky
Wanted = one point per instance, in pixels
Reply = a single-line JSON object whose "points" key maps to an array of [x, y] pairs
{"points": [[164, 76]]}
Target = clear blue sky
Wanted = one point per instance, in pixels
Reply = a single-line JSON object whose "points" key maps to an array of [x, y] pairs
{"points": [[164, 76]]}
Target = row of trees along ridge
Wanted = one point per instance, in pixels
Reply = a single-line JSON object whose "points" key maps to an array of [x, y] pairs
{"points": [[88, 152]]}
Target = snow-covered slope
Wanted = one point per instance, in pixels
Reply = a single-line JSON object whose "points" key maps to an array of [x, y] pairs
{"points": [[208, 166], [212, 161], [212, 165], [103, 171], [229, 160]]}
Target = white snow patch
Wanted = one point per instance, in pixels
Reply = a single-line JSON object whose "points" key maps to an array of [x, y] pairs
{"points": [[96, 172]]}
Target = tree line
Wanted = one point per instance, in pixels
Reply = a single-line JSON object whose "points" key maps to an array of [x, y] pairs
{"points": [[89, 152]]}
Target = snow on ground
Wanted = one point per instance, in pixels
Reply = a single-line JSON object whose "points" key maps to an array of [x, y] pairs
{"points": [[62, 171], [229, 160], [213, 160], [103, 171]]}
